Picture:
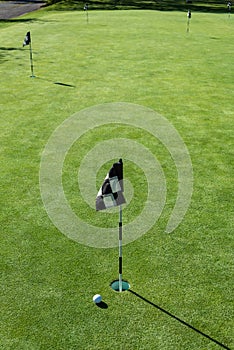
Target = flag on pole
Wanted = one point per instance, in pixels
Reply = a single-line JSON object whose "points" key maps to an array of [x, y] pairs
{"points": [[229, 6], [111, 195], [27, 39], [86, 7], [111, 192], [189, 15]]}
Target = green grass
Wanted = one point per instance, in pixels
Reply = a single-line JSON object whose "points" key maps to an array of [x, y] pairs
{"points": [[47, 280]]}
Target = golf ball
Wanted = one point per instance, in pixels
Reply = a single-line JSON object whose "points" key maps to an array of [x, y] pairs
{"points": [[97, 298]]}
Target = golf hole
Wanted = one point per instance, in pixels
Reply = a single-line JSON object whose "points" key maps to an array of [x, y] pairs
{"points": [[115, 285]]}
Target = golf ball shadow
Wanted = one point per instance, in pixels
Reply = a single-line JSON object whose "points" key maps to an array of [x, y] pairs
{"points": [[102, 305]]}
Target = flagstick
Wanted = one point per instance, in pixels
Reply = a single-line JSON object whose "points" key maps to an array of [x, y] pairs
{"points": [[31, 60], [86, 10], [188, 22], [188, 25], [120, 248]]}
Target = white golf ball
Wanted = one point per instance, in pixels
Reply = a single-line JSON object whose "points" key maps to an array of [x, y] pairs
{"points": [[97, 298]]}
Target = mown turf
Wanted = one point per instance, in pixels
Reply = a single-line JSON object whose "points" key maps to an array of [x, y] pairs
{"points": [[47, 280]]}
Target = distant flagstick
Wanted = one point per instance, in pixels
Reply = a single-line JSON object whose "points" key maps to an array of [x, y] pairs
{"points": [[111, 195], [189, 15], [229, 6], [27, 41], [87, 14]]}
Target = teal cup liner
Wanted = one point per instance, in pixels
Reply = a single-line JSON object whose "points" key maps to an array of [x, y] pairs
{"points": [[115, 285]]}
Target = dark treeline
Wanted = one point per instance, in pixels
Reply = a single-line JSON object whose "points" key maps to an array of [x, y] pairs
{"points": [[160, 5]]}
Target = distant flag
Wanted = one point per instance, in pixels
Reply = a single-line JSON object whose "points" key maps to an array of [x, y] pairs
{"points": [[27, 39], [189, 15], [229, 6], [111, 191], [86, 7]]}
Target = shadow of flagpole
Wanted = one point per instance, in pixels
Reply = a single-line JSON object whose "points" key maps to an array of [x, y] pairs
{"points": [[56, 82], [179, 320]]}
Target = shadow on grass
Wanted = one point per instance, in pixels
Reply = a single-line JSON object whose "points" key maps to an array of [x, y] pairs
{"points": [[63, 84], [102, 305], [24, 20], [4, 50], [179, 320], [57, 82], [10, 48], [19, 20]]}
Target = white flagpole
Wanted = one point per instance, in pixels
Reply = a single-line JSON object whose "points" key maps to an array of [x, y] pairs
{"points": [[120, 248]]}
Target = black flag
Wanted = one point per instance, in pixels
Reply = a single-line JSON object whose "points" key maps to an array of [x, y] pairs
{"points": [[27, 39], [111, 192]]}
